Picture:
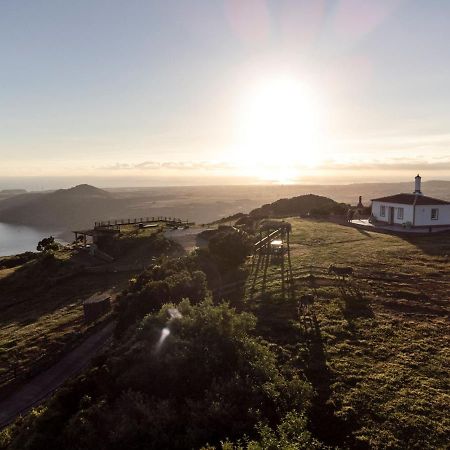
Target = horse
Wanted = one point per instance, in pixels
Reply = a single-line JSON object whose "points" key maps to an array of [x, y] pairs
{"points": [[341, 271]]}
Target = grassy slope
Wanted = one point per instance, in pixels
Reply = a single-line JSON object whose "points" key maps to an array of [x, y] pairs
{"points": [[376, 349], [39, 316]]}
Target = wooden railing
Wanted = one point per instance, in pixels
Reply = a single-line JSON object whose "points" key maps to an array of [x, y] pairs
{"points": [[267, 239], [140, 220]]}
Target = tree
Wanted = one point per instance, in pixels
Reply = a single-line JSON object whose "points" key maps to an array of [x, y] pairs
{"points": [[47, 245], [229, 248], [172, 281]]}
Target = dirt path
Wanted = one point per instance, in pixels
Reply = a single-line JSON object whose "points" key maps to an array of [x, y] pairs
{"points": [[44, 384]]}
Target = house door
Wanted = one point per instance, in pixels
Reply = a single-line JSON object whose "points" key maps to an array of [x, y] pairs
{"points": [[391, 215]]}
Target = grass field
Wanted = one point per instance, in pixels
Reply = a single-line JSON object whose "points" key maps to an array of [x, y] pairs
{"points": [[41, 301], [375, 347]]}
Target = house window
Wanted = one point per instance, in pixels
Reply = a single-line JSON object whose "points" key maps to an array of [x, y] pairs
{"points": [[400, 213], [382, 211], [434, 213]]}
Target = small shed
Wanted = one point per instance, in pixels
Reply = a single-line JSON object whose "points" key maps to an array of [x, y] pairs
{"points": [[96, 306]]}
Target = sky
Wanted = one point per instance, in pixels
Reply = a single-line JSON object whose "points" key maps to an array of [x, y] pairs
{"points": [[232, 91]]}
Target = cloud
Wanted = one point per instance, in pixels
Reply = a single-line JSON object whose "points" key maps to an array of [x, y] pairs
{"points": [[146, 165], [171, 165], [392, 164], [116, 166], [437, 164]]}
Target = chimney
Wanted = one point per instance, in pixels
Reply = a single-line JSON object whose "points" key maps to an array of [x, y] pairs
{"points": [[417, 190]]}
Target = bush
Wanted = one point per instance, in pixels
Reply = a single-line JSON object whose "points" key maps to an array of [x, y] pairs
{"points": [[290, 434], [229, 249], [47, 245], [169, 282], [209, 380]]}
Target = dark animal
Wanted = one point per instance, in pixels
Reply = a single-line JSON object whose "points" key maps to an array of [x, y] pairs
{"points": [[304, 303], [341, 271]]}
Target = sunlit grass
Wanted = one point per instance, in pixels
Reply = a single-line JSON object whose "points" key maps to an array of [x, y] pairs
{"points": [[377, 352]]}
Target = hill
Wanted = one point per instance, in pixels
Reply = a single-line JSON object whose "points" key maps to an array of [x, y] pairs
{"points": [[301, 205], [8, 193], [65, 208], [82, 190]]}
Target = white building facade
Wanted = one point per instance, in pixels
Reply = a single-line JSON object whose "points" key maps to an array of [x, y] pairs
{"points": [[415, 210]]}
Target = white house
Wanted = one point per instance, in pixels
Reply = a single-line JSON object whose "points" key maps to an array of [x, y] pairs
{"points": [[415, 210]]}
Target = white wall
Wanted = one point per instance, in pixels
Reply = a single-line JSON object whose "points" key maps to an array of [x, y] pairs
{"points": [[407, 212], [423, 215]]}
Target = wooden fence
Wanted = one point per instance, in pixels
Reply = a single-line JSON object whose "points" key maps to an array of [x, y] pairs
{"points": [[140, 220]]}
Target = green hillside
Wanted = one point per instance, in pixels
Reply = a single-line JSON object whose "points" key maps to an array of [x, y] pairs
{"points": [[365, 368]]}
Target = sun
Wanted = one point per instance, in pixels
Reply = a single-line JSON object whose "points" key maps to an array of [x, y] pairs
{"points": [[278, 127]]}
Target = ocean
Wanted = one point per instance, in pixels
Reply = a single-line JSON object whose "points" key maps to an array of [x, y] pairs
{"points": [[16, 239]]}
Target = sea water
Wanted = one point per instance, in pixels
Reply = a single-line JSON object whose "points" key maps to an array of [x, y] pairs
{"points": [[16, 239]]}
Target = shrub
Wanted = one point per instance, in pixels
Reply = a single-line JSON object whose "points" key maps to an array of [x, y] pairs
{"points": [[229, 248], [209, 380], [47, 245], [170, 281]]}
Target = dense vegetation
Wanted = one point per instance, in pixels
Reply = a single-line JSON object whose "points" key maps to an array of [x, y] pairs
{"points": [[209, 379], [171, 280]]}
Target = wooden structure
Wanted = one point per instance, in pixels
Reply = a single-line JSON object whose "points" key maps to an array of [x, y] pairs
{"points": [[110, 229], [273, 247], [96, 234], [116, 224], [96, 306]]}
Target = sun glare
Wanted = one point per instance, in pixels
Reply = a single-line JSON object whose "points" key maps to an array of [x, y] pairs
{"points": [[279, 127]]}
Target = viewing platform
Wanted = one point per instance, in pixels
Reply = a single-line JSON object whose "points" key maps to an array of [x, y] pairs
{"points": [[112, 228], [140, 221]]}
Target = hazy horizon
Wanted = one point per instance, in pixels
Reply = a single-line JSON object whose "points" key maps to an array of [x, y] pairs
{"points": [[35, 184]]}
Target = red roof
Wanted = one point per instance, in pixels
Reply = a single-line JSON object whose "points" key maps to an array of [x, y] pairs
{"points": [[409, 199]]}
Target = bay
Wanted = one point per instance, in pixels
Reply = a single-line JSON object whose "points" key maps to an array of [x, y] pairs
{"points": [[16, 239]]}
